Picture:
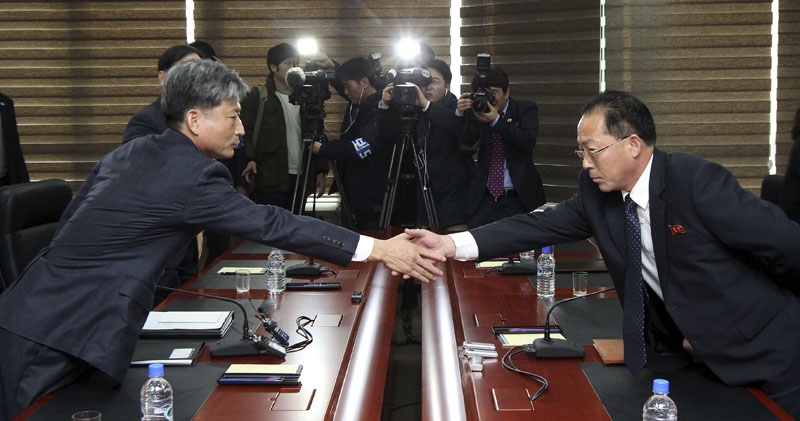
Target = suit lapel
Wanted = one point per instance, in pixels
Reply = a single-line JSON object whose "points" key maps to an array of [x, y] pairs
{"points": [[658, 215]]}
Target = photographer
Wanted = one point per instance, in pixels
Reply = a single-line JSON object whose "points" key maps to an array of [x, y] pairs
{"points": [[448, 166], [506, 181], [274, 157], [362, 163]]}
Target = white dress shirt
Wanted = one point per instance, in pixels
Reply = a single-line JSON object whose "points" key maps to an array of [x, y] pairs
{"points": [[467, 248]]}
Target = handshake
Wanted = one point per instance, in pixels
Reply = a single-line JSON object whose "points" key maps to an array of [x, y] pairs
{"points": [[414, 253]]}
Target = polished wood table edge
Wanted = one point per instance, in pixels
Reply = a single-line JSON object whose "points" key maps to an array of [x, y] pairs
{"points": [[365, 377], [442, 391]]}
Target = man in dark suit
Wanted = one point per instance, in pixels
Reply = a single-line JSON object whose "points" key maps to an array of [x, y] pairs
{"points": [[12, 164], [506, 181], [83, 300], [362, 160], [692, 254]]}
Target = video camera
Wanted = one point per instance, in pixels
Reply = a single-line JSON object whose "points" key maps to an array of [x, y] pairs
{"points": [[309, 87], [402, 93], [483, 96]]}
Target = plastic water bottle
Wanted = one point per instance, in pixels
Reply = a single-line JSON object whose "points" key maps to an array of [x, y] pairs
{"points": [[660, 407], [276, 271], [546, 274], [156, 396]]}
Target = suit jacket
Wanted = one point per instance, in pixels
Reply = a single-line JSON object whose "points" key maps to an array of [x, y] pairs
{"points": [[89, 292], [17, 171], [724, 280], [519, 128], [149, 120]]}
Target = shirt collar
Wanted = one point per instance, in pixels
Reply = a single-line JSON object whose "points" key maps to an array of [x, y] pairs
{"points": [[641, 190]]}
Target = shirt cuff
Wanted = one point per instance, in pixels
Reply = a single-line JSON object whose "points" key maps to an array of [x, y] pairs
{"points": [[466, 247], [459, 113], [426, 107], [383, 106], [495, 120], [363, 248]]}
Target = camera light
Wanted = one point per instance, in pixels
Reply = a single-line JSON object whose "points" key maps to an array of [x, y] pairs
{"points": [[307, 46], [407, 49]]}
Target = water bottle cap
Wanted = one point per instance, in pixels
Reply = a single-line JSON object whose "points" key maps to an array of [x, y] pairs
{"points": [[546, 249], [156, 370], [660, 386]]}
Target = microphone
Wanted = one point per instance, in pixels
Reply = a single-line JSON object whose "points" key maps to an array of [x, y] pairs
{"points": [[295, 77], [248, 344], [559, 348]]}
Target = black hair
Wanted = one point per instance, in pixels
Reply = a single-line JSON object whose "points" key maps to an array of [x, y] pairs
{"points": [[205, 50], [497, 79], [624, 115], [796, 125], [277, 54], [174, 54], [442, 68], [356, 69]]}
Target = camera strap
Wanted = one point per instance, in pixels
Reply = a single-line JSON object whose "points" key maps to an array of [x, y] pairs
{"points": [[262, 99]]}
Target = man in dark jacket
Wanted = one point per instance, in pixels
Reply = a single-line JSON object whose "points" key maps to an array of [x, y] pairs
{"points": [[362, 160], [447, 167], [506, 181], [83, 300]]}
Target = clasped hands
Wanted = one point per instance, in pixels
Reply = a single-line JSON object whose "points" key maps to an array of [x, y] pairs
{"points": [[414, 253]]}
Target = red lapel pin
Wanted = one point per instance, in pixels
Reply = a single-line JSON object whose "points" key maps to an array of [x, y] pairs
{"points": [[676, 229]]}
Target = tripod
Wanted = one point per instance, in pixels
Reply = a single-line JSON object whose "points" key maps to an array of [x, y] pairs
{"points": [[314, 118], [409, 115]]}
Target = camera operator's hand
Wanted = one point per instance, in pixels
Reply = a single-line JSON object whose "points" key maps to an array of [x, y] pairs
{"points": [[315, 147], [464, 103], [422, 102], [386, 97], [489, 117], [322, 187], [249, 170]]}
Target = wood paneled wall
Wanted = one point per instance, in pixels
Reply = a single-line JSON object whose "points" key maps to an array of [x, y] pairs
{"points": [[243, 31], [78, 71], [703, 69], [551, 52], [788, 78]]}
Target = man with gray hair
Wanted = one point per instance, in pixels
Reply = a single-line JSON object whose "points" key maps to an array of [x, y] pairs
{"points": [[83, 300]]}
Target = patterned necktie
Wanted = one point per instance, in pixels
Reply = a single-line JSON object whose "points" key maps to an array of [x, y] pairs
{"points": [[633, 319], [496, 166]]}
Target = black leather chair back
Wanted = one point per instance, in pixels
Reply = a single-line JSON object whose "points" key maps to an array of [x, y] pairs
{"points": [[772, 188], [29, 214]]}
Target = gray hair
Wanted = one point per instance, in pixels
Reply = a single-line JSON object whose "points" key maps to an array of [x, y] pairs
{"points": [[198, 84]]}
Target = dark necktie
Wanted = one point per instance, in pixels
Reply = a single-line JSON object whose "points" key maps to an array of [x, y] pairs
{"points": [[633, 320], [496, 166]]}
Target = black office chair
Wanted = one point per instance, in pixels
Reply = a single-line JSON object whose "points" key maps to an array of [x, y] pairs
{"points": [[772, 188], [29, 214]]}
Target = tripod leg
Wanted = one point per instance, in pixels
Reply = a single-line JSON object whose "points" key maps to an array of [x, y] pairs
{"points": [[302, 197], [391, 187], [345, 207]]}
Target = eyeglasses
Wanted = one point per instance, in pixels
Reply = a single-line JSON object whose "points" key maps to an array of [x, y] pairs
{"points": [[581, 153]]}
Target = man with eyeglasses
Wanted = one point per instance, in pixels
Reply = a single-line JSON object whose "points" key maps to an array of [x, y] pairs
{"points": [[695, 258]]}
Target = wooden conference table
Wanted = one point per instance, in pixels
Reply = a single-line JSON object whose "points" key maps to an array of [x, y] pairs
{"points": [[345, 367], [464, 305]]}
